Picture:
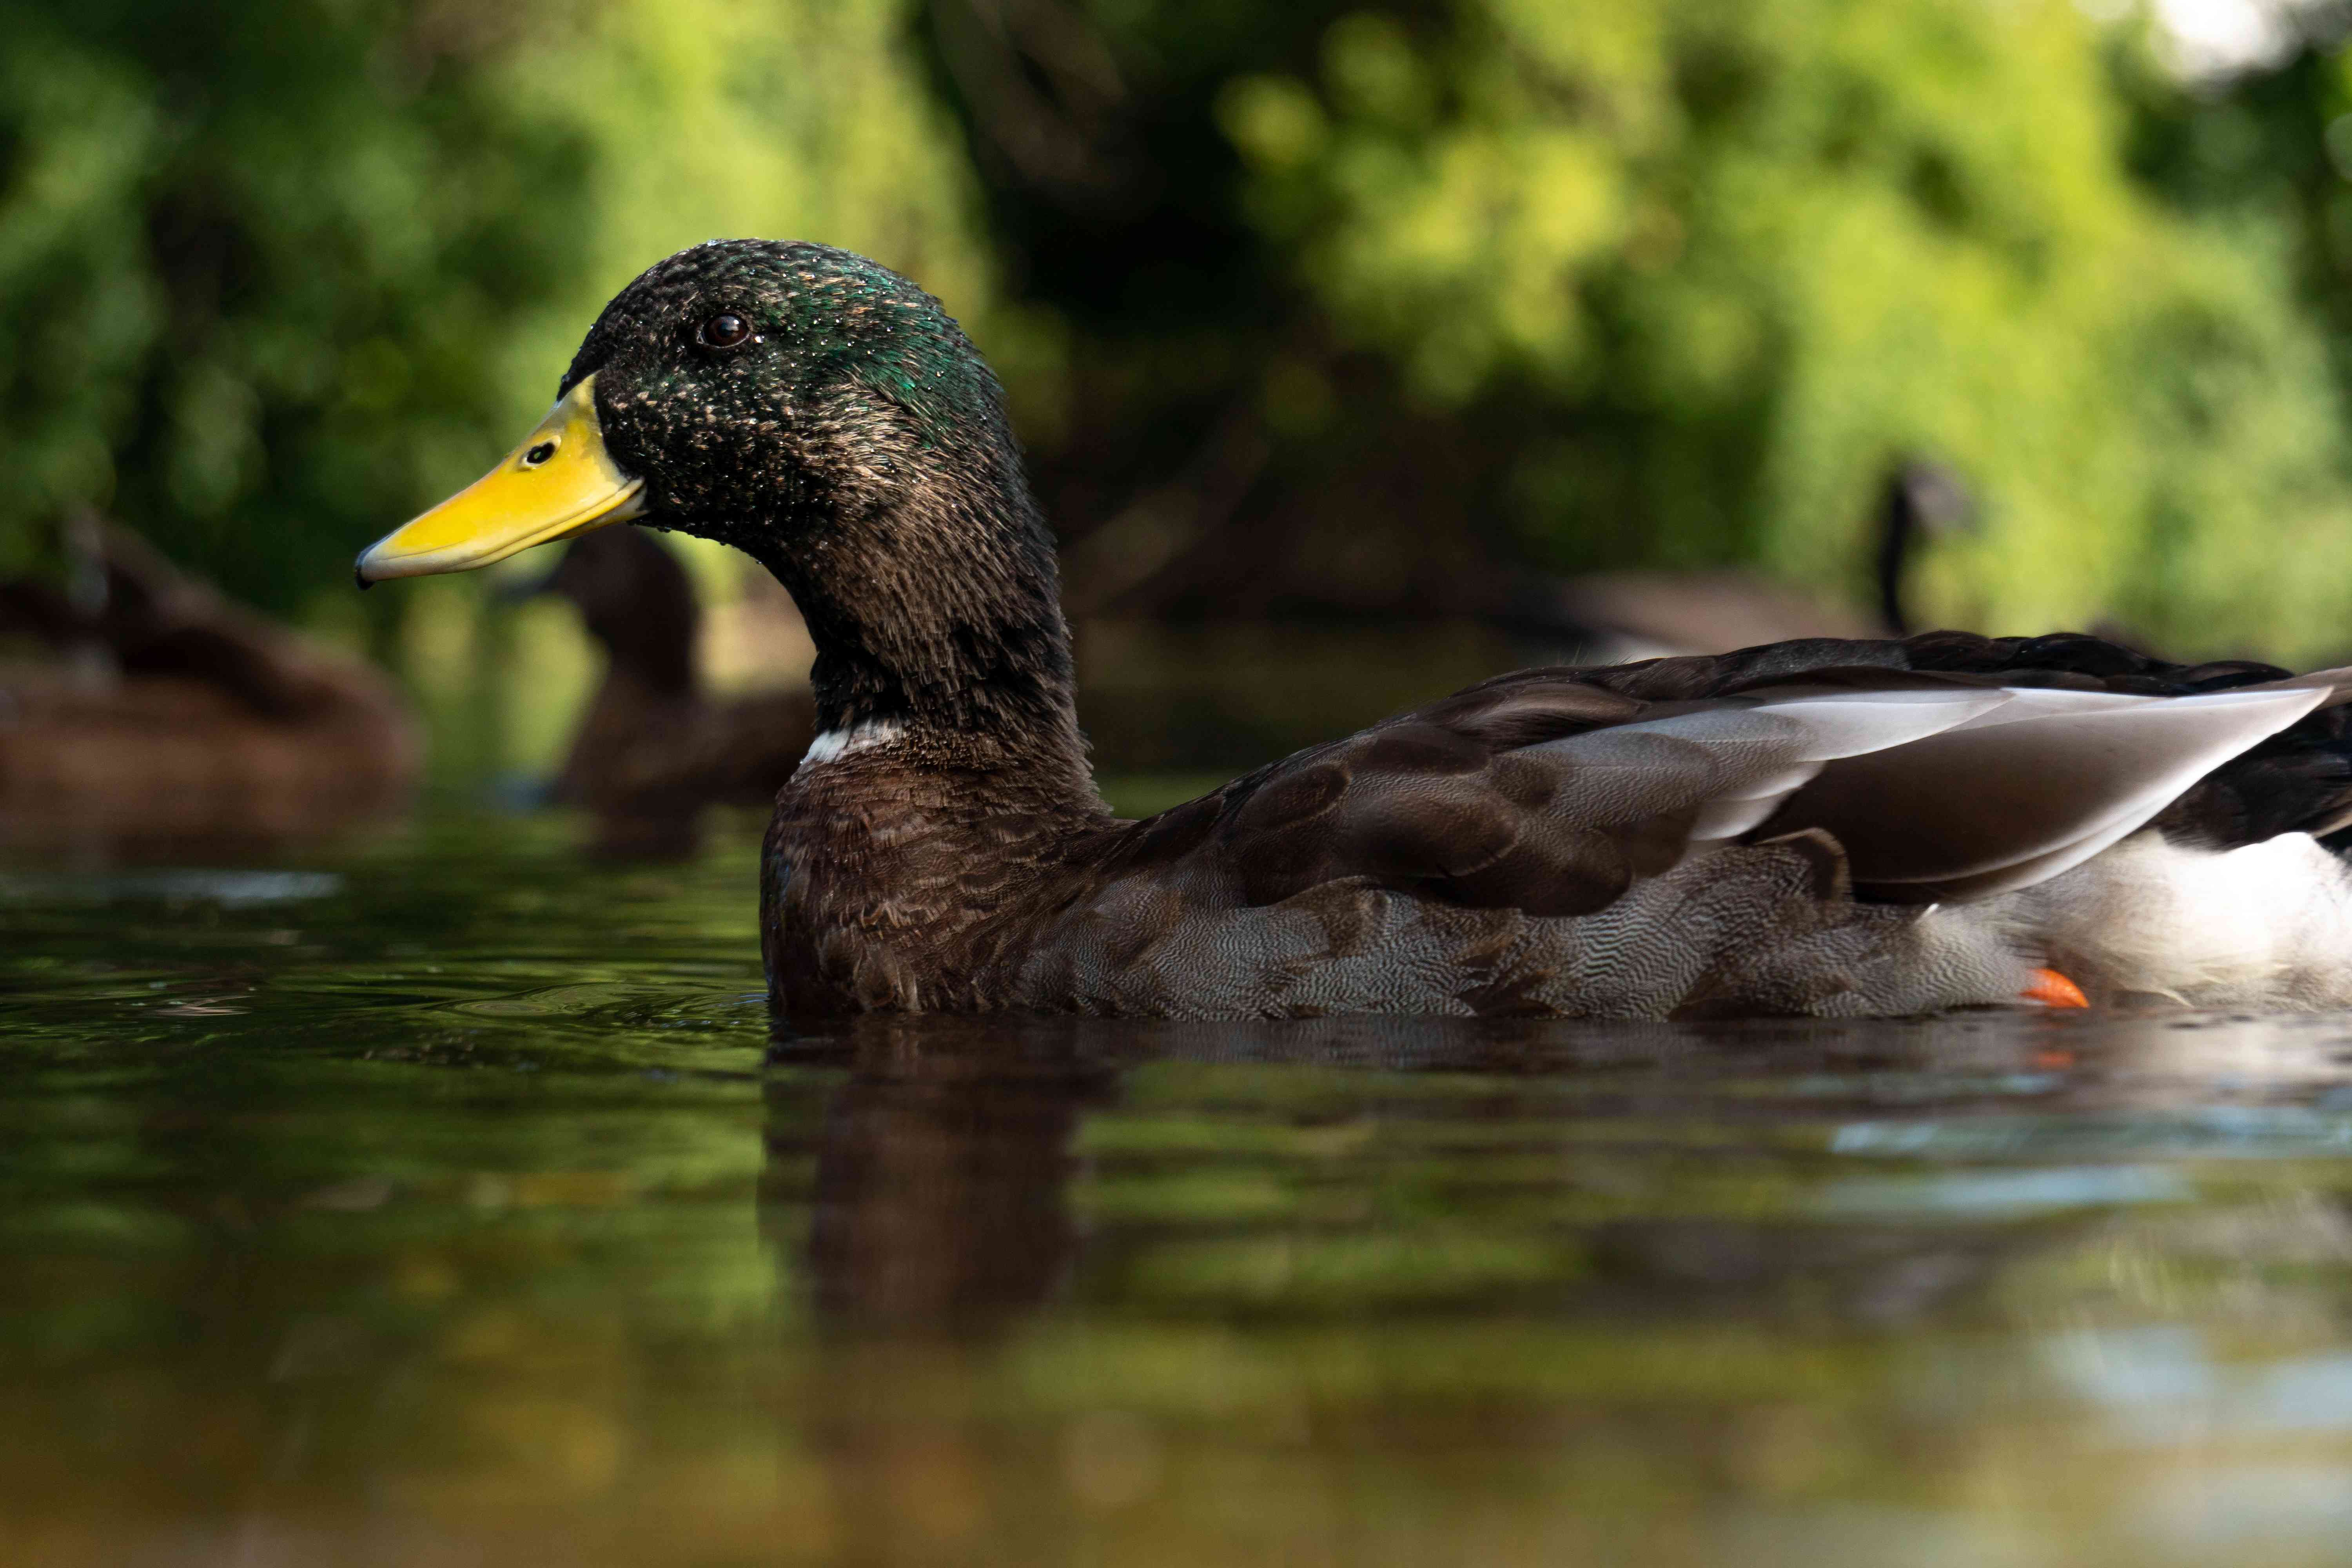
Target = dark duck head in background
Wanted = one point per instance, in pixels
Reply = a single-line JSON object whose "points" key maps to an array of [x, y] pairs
{"points": [[653, 747], [1825, 826], [1605, 617]]}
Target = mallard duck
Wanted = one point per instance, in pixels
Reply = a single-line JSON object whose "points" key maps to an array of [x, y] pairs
{"points": [[652, 743], [177, 718], [1824, 826]]}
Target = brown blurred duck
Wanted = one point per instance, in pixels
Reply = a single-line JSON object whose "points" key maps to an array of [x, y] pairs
{"points": [[1617, 617], [168, 714], [1840, 826], [653, 744]]}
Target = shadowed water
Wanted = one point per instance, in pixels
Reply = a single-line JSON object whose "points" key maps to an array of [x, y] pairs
{"points": [[447, 1202]]}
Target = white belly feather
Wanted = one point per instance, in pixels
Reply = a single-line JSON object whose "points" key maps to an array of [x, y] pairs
{"points": [[2269, 925]]}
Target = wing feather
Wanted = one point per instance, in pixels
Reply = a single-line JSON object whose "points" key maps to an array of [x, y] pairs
{"points": [[1549, 794], [2029, 793]]}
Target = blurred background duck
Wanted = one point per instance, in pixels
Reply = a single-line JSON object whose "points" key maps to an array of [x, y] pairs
{"points": [[653, 747], [1615, 618], [139, 709]]}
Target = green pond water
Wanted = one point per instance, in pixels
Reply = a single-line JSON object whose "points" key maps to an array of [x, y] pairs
{"points": [[445, 1200]]}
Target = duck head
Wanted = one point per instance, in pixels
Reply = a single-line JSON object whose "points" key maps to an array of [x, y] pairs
{"points": [[826, 416]]}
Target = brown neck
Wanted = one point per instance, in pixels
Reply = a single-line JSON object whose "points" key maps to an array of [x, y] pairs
{"points": [[936, 617]]}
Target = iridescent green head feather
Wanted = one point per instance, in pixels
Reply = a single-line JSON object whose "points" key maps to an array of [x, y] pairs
{"points": [[834, 339]]}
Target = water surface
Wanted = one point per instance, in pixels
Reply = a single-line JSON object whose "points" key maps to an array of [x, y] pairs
{"points": [[447, 1201]]}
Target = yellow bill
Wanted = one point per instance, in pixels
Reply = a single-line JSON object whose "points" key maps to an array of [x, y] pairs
{"points": [[560, 481]]}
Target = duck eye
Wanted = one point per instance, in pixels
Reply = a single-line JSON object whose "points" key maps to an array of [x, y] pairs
{"points": [[723, 331]]}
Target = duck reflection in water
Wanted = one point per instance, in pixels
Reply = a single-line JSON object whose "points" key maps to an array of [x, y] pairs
{"points": [[942, 1172], [939, 1220], [938, 1204], [931, 1208]]}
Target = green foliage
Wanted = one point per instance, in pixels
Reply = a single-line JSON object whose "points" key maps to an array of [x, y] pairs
{"points": [[2266, 153], [1740, 255], [276, 273], [258, 260], [731, 119], [1376, 294]]}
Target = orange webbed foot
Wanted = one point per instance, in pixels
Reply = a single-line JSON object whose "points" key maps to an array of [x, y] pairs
{"points": [[2051, 989]]}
